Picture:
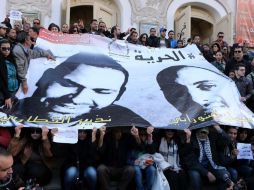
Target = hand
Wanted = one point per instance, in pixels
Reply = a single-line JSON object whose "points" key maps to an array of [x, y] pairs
{"points": [[211, 177], [28, 151], [148, 162], [134, 131], [8, 103], [128, 31], [45, 132], [51, 57], [54, 131], [150, 130], [102, 131], [81, 23], [24, 87], [18, 130], [188, 135], [94, 131], [234, 152]]}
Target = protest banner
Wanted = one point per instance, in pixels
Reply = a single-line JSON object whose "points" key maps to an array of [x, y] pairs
{"points": [[99, 80]]}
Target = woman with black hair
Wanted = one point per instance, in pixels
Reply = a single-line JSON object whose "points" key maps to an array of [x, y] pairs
{"points": [[143, 39], [32, 154], [9, 83]]}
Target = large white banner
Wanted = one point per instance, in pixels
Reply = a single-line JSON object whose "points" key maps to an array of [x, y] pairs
{"points": [[96, 80]]}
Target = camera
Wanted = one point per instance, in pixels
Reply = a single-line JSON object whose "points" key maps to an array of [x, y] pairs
{"points": [[31, 185]]}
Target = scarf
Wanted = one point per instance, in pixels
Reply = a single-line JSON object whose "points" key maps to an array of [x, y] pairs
{"points": [[170, 153], [208, 152]]}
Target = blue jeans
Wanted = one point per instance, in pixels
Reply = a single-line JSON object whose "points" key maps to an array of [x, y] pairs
{"points": [[150, 172], [233, 173], [196, 180], [71, 175]]}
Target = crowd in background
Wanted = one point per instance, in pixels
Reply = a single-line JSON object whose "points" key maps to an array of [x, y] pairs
{"points": [[127, 155]]}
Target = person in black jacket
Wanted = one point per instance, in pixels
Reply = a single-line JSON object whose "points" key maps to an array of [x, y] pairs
{"points": [[243, 84], [117, 34], [80, 162], [153, 39], [9, 83], [238, 58], [205, 161], [113, 153]]}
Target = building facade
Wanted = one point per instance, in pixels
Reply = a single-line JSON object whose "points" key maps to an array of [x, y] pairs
{"points": [[186, 17]]}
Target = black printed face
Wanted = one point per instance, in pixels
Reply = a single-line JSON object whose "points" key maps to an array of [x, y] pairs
{"points": [[202, 91], [85, 88]]}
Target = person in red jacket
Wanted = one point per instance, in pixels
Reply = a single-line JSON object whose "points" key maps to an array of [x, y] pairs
{"points": [[5, 137]]}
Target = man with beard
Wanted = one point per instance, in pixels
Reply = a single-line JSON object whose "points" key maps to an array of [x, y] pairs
{"points": [[7, 179], [102, 29], [11, 35], [153, 40]]}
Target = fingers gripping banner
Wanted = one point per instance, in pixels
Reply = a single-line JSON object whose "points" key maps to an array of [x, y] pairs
{"points": [[96, 80]]}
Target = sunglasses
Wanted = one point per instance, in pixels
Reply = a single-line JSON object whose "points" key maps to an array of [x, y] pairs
{"points": [[237, 51], [37, 131], [221, 36], [5, 49], [36, 23], [75, 31]]}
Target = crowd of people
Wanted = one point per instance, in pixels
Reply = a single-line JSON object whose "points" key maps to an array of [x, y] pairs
{"points": [[127, 155]]}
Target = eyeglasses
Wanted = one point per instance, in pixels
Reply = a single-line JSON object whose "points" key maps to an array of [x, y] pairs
{"points": [[5, 49], [221, 36], [37, 131], [75, 31], [238, 51]]}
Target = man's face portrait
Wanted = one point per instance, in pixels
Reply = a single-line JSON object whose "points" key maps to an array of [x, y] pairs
{"points": [[6, 171], [102, 26], [232, 133], [83, 89], [88, 88], [152, 32], [65, 28], [240, 72], [238, 54], [171, 35]]}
